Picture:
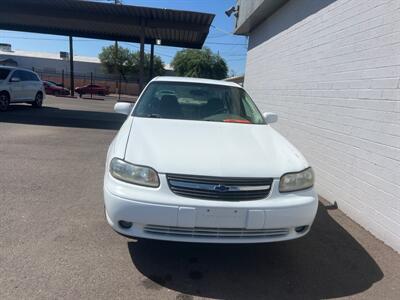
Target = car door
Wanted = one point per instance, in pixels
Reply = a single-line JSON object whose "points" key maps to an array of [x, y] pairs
{"points": [[28, 86], [16, 85], [36, 85]]}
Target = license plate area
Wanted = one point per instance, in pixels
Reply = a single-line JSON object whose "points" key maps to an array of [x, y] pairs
{"points": [[221, 217]]}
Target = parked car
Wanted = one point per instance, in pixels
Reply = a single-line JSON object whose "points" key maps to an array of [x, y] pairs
{"points": [[202, 164], [93, 89], [52, 89], [55, 83], [20, 85]]}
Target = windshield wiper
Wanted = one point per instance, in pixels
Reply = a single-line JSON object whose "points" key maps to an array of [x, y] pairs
{"points": [[156, 116]]}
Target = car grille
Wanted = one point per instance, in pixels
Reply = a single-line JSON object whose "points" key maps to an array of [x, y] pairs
{"points": [[215, 232], [221, 189]]}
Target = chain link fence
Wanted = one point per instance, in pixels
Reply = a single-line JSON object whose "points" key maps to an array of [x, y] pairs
{"points": [[116, 84]]}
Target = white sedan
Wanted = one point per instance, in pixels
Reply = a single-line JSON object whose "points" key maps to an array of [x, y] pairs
{"points": [[196, 161]]}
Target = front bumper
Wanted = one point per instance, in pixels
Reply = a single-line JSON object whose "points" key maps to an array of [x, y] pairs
{"points": [[160, 214]]}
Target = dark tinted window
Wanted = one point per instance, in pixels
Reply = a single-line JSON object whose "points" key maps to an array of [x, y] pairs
{"points": [[4, 73], [198, 102], [35, 77], [18, 74], [28, 76], [22, 75]]}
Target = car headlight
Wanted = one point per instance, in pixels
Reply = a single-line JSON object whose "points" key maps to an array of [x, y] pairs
{"points": [[130, 173], [291, 182]]}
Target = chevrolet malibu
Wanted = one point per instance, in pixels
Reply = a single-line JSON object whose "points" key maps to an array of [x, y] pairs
{"points": [[196, 161]]}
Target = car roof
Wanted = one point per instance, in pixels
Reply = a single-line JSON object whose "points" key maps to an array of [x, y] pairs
{"points": [[194, 80], [8, 67]]}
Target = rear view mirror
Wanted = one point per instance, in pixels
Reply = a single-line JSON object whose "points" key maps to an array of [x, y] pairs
{"points": [[270, 117], [123, 108], [15, 79]]}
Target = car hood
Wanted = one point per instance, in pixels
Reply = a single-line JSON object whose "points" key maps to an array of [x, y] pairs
{"points": [[211, 148]]}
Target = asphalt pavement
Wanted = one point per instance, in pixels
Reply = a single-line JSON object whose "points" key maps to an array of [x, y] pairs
{"points": [[56, 244]]}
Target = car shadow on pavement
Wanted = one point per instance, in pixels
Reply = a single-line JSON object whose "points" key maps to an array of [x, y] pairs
{"points": [[327, 263], [51, 116]]}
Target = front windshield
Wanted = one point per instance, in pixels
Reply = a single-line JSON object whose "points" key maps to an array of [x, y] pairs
{"points": [[197, 102], [4, 73]]}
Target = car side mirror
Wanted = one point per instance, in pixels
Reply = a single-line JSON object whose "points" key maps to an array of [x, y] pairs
{"points": [[123, 108], [270, 117], [15, 79]]}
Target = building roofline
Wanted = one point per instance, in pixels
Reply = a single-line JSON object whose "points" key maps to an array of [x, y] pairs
{"points": [[251, 14], [48, 55]]}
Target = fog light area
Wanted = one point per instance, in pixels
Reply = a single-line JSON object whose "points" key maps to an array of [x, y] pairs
{"points": [[125, 224], [301, 229]]}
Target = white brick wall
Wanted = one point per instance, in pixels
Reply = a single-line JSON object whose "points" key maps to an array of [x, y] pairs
{"points": [[331, 70]]}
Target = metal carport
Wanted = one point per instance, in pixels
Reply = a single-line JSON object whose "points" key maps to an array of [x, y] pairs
{"points": [[78, 18]]}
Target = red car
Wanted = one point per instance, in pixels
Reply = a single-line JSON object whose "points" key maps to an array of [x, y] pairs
{"points": [[93, 89], [52, 89]]}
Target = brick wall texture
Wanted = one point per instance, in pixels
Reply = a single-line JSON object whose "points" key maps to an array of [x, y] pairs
{"points": [[331, 70]]}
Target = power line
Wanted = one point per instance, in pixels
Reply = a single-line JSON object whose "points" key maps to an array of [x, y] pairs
{"points": [[236, 59], [161, 53], [94, 40], [222, 30], [131, 44], [223, 43], [216, 36]]}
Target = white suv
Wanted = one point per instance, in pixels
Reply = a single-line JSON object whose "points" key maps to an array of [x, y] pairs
{"points": [[19, 86], [196, 161]]}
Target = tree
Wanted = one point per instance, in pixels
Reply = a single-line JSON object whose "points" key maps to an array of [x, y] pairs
{"points": [[113, 62], [200, 63], [126, 62], [158, 64]]}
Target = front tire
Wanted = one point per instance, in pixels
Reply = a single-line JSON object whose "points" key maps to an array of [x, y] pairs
{"points": [[4, 102], [38, 103]]}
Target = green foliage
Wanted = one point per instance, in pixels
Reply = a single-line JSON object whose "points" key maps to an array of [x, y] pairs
{"points": [[158, 64], [114, 63], [200, 63], [127, 62]]}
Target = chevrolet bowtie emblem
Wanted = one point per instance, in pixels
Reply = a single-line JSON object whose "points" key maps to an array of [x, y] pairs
{"points": [[221, 188]]}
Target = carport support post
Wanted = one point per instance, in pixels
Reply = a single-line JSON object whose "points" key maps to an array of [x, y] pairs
{"points": [[71, 65], [151, 62], [119, 87], [141, 65]]}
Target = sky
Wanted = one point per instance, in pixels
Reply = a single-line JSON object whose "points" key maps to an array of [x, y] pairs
{"points": [[221, 39]]}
